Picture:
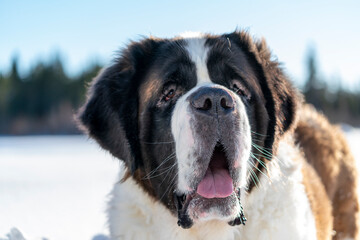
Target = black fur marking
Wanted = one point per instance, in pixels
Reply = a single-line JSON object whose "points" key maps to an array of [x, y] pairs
{"points": [[240, 219], [110, 114], [184, 220]]}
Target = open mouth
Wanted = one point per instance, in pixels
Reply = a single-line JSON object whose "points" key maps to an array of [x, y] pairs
{"points": [[217, 182], [215, 196]]}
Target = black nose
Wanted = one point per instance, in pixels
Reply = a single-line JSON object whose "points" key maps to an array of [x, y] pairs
{"points": [[212, 100]]}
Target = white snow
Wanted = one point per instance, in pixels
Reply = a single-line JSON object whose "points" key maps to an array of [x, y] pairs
{"points": [[56, 187]]}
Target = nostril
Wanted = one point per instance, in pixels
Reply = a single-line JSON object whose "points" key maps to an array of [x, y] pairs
{"points": [[202, 103], [226, 103], [207, 105]]}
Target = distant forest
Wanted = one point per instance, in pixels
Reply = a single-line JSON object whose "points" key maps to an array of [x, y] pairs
{"points": [[45, 101]]}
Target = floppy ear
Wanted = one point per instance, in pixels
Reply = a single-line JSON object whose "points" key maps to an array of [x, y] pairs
{"points": [[110, 114], [286, 97], [282, 99]]}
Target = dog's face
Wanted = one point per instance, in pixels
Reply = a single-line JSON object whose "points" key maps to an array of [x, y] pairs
{"points": [[194, 119]]}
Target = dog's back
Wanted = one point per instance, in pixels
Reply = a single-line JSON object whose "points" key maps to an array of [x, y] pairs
{"points": [[325, 149]]}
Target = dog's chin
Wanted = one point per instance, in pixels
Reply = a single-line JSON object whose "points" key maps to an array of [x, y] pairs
{"points": [[203, 209]]}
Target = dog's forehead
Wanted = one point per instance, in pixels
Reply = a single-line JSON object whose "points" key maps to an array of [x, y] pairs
{"points": [[195, 56], [189, 50], [198, 52], [182, 54]]}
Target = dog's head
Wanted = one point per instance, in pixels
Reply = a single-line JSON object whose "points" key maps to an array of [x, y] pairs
{"points": [[195, 119]]}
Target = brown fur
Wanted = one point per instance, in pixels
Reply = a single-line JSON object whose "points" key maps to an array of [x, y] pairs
{"points": [[325, 149], [319, 202]]}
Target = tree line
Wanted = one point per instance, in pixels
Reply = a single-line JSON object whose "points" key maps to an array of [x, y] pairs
{"points": [[339, 104], [45, 100]]}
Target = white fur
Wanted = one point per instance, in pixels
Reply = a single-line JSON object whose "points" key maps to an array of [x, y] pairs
{"points": [[184, 141], [243, 150], [277, 209], [198, 53], [134, 215]]}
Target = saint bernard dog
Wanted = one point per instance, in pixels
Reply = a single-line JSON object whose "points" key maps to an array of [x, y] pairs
{"points": [[216, 143]]}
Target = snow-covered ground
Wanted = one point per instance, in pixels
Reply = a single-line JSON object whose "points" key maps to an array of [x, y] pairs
{"points": [[56, 187]]}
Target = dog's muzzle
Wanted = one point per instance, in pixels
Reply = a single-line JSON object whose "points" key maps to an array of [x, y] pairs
{"points": [[214, 180]]}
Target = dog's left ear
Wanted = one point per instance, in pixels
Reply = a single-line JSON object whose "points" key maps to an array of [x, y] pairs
{"points": [[286, 97], [282, 99], [110, 114]]}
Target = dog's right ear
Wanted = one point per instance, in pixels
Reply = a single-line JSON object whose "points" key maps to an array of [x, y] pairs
{"points": [[110, 114]]}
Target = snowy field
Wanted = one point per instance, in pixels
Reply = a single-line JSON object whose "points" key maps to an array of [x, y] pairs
{"points": [[56, 187]]}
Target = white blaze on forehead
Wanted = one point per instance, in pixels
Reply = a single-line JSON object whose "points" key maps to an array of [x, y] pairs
{"points": [[198, 53]]}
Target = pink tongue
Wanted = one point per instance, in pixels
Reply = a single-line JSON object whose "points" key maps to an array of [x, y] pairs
{"points": [[217, 183]]}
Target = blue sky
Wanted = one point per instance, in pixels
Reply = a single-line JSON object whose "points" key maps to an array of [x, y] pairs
{"points": [[89, 31]]}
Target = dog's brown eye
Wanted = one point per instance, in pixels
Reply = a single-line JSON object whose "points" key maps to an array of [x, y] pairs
{"points": [[240, 90], [170, 95], [169, 92]]}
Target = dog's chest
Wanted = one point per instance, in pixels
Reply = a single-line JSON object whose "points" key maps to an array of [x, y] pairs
{"points": [[277, 208]]}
